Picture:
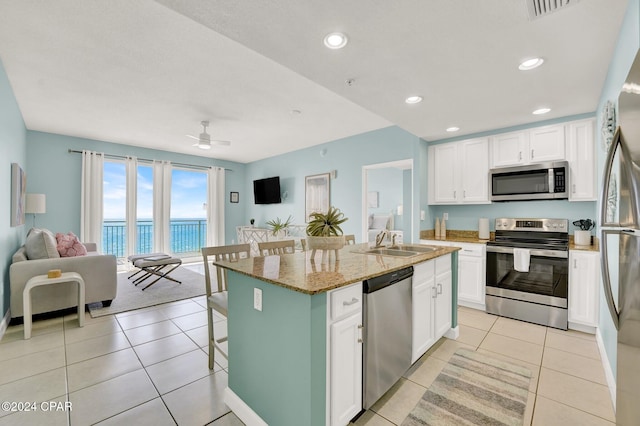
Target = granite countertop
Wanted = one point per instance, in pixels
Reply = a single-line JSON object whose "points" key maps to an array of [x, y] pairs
{"points": [[298, 272], [458, 236]]}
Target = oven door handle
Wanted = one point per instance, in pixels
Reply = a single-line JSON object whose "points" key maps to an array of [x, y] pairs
{"points": [[542, 253]]}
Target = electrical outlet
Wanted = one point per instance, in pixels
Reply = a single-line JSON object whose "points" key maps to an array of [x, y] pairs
{"points": [[445, 216], [422, 215], [257, 299]]}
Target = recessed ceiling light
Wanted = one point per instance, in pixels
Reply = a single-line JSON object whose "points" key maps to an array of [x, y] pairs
{"points": [[453, 129], [541, 111], [335, 40], [413, 99], [530, 64]]}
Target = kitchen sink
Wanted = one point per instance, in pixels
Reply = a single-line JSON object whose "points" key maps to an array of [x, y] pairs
{"points": [[392, 252], [419, 249]]}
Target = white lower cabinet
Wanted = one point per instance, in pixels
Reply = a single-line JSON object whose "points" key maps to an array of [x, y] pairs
{"points": [[472, 259], [422, 292], [472, 277], [344, 368], [442, 296], [584, 282], [431, 303]]}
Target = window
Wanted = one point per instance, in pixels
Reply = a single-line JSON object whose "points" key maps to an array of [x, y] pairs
{"points": [[188, 211], [114, 209]]}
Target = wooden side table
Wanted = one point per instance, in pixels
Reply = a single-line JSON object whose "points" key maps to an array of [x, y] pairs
{"points": [[40, 280]]}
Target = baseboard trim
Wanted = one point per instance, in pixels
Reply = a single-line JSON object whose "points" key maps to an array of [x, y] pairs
{"points": [[472, 305], [583, 328], [241, 409], [4, 324], [608, 372], [453, 333]]}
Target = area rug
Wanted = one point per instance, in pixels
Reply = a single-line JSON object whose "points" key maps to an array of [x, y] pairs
{"points": [[130, 297], [474, 388]]}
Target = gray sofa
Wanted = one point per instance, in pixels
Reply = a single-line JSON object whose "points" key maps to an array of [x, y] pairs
{"points": [[97, 270]]}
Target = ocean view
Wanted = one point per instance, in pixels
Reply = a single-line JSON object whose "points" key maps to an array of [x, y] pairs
{"points": [[187, 236]]}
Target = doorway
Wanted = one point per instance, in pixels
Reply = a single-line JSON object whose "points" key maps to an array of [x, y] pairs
{"points": [[387, 200]]}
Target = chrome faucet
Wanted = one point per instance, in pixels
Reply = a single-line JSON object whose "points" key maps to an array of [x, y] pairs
{"points": [[381, 237], [393, 240]]}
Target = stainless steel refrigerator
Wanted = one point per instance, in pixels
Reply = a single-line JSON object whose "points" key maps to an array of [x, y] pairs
{"points": [[620, 246]]}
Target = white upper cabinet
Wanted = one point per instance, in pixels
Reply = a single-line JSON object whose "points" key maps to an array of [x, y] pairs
{"points": [[475, 171], [507, 149], [446, 173], [581, 155], [546, 143], [459, 172], [535, 145]]}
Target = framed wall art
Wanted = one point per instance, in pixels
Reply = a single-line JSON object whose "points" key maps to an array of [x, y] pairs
{"points": [[18, 194], [316, 194], [372, 199], [234, 197]]}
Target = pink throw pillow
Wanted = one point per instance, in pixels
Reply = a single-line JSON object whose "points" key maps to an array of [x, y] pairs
{"points": [[69, 245]]}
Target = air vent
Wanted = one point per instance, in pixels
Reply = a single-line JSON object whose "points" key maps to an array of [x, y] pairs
{"points": [[540, 8]]}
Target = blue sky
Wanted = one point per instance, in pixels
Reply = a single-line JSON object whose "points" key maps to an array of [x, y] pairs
{"points": [[188, 192]]}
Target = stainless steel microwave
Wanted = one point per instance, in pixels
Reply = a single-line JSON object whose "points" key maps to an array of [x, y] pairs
{"points": [[543, 181]]}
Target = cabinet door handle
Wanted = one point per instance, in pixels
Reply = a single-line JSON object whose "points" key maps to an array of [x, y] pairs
{"points": [[573, 187], [464, 193], [532, 154], [352, 302], [520, 156], [439, 288], [575, 263], [359, 340], [435, 293], [454, 194]]}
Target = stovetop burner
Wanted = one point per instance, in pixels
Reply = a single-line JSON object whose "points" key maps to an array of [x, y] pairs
{"points": [[544, 234]]}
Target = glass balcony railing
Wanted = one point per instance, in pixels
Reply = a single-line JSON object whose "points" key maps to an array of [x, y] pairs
{"points": [[187, 236]]}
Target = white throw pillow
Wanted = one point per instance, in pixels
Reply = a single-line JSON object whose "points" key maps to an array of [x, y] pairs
{"points": [[380, 222], [41, 244]]}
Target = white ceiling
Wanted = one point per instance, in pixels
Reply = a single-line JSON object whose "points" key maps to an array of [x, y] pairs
{"points": [[147, 72]]}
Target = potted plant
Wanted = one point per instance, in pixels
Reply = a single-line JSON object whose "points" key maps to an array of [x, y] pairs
{"points": [[324, 231], [278, 226]]}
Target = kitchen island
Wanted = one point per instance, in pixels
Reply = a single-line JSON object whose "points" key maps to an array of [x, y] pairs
{"points": [[280, 356]]}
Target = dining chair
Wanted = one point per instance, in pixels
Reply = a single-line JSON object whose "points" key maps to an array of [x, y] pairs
{"points": [[277, 247], [350, 239], [217, 300]]}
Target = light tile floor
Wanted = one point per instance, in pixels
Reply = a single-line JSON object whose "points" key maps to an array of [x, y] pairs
{"points": [[568, 386], [149, 366]]}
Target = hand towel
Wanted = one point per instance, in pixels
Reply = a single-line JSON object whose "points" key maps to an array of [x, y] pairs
{"points": [[521, 259]]}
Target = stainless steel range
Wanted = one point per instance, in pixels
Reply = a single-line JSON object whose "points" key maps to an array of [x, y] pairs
{"points": [[527, 271]]}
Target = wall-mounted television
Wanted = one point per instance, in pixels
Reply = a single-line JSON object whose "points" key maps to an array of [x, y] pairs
{"points": [[267, 191]]}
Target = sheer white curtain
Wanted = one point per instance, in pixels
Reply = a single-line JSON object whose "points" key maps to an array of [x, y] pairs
{"points": [[215, 207], [91, 198], [131, 169], [161, 206]]}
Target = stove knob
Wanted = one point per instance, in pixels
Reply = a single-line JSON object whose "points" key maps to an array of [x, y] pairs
{"points": [[555, 225]]}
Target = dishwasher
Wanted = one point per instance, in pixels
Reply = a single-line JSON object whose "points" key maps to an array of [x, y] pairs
{"points": [[387, 332]]}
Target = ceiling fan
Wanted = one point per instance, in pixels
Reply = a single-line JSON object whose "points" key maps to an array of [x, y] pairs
{"points": [[204, 140]]}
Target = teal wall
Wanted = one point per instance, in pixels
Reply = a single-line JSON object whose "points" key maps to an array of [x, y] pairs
{"points": [[277, 354], [57, 173], [346, 156], [624, 54], [13, 147]]}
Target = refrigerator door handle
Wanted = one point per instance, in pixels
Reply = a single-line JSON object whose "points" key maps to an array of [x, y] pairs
{"points": [[604, 196], [606, 278]]}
